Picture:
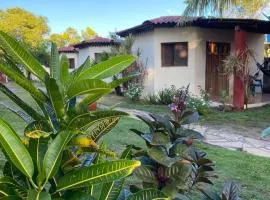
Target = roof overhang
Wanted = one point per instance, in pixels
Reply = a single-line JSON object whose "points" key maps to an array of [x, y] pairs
{"points": [[250, 25]]}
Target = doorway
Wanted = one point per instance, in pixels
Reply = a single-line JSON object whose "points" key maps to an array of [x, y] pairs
{"points": [[216, 79]]}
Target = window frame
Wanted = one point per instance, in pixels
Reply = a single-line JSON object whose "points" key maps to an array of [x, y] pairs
{"points": [[174, 43], [69, 63]]}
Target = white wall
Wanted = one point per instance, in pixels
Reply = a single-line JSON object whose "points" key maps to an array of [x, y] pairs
{"points": [[145, 43], [176, 75], [255, 42], [90, 51]]}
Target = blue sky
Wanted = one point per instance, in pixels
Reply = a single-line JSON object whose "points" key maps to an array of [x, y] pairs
{"points": [[103, 15]]}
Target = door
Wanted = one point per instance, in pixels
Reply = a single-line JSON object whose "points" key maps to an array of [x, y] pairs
{"points": [[216, 79]]}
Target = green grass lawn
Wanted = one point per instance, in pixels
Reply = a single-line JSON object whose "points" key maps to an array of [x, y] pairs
{"points": [[252, 173], [254, 117], [124, 102]]}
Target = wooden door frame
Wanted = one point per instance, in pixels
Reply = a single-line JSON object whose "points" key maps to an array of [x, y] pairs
{"points": [[207, 75]]}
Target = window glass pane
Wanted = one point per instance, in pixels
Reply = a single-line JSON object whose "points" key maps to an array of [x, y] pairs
{"points": [[174, 54], [180, 54], [71, 63], [167, 54]]}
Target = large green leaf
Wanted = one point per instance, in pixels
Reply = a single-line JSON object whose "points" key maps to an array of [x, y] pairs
{"points": [[64, 67], [97, 130], [21, 81], [52, 159], [78, 195], [15, 150], [9, 186], [120, 81], [160, 138], [24, 106], [99, 173], [107, 68], [148, 194], [178, 174], [19, 113], [87, 86], [85, 120], [14, 49], [54, 65], [77, 72], [91, 98], [146, 174], [34, 195], [56, 97], [37, 148], [230, 191], [111, 190], [160, 155], [11, 197]]}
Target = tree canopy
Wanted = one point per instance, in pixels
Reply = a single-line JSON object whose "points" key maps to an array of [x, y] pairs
{"points": [[88, 33], [24, 26], [71, 36], [221, 8]]}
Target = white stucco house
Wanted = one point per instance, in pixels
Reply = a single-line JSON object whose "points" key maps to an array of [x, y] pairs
{"points": [[193, 52], [77, 53]]}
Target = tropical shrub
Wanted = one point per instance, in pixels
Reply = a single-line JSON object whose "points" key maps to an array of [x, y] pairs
{"points": [[166, 95], [37, 171], [224, 98], [229, 192], [200, 103], [134, 91], [170, 163], [61, 137], [151, 98]]}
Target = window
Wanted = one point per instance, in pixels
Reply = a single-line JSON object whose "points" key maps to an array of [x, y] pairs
{"points": [[71, 63], [174, 54]]}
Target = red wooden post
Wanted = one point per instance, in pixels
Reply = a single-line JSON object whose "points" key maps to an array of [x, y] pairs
{"points": [[2, 78], [238, 86]]}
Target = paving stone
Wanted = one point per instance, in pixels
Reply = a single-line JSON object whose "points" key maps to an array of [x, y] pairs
{"points": [[258, 151]]}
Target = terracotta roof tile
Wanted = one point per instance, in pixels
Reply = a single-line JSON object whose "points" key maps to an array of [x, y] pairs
{"points": [[251, 25], [68, 49], [97, 41]]}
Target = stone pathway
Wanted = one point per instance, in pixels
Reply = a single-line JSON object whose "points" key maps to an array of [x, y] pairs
{"points": [[220, 137]]}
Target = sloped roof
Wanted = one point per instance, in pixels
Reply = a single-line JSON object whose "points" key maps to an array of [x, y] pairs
{"points": [[97, 41], [68, 49], [251, 25]]}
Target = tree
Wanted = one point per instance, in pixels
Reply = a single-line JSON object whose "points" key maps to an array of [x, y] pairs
{"points": [[88, 33], [69, 36], [224, 7], [24, 26]]}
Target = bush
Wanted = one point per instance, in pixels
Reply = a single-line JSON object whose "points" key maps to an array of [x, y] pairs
{"points": [[134, 91], [199, 104], [163, 97], [151, 98], [166, 95]]}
